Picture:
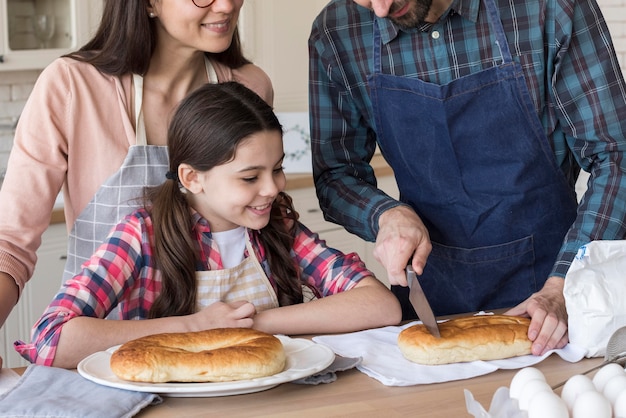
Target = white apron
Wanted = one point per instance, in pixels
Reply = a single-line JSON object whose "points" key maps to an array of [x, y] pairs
{"points": [[145, 165], [246, 281]]}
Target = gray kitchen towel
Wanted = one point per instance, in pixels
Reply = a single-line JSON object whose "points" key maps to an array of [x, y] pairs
{"points": [[53, 392]]}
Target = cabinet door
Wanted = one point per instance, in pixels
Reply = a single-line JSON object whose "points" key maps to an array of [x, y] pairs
{"points": [[275, 34], [74, 21], [37, 294]]}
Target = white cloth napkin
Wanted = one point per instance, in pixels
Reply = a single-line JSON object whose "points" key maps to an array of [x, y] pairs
{"points": [[383, 361]]}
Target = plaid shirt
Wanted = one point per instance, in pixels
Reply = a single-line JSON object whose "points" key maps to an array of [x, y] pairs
{"points": [[571, 70], [122, 274]]}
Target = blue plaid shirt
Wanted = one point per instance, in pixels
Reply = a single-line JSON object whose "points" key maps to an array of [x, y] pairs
{"points": [[571, 70]]}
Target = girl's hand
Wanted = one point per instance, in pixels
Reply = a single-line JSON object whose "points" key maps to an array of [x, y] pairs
{"points": [[238, 314]]}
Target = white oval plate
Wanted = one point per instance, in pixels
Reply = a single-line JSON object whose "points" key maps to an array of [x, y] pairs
{"points": [[304, 358]]}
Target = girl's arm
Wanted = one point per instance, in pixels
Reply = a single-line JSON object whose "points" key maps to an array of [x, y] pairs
{"points": [[369, 304], [352, 299], [120, 274]]}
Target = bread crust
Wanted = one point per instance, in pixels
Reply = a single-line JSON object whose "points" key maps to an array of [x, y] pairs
{"points": [[215, 355], [481, 337]]}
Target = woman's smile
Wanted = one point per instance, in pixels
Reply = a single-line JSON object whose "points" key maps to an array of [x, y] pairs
{"points": [[222, 26]]}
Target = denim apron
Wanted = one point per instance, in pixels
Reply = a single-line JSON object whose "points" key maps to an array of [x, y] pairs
{"points": [[144, 165], [472, 159]]}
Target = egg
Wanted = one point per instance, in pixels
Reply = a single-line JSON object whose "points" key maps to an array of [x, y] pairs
{"points": [[530, 391], [614, 387], [605, 373], [548, 405], [619, 409], [591, 404], [574, 386], [520, 379]]}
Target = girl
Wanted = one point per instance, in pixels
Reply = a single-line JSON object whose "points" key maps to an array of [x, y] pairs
{"points": [[217, 244], [96, 123]]}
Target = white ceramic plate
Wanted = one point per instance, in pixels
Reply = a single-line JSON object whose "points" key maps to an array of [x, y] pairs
{"points": [[304, 358]]}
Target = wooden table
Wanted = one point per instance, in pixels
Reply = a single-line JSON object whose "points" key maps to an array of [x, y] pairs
{"points": [[354, 394]]}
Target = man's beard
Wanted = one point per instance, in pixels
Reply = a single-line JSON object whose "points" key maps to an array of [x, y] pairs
{"points": [[418, 10]]}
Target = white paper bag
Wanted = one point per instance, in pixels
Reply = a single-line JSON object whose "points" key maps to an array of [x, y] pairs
{"points": [[595, 295]]}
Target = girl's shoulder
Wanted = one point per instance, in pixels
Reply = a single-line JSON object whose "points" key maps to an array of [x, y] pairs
{"points": [[139, 220]]}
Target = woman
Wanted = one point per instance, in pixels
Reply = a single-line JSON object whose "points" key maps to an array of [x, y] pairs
{"points": [[217, 245], [95, 124]]}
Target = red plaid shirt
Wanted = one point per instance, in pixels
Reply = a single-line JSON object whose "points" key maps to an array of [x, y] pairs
{"points": [[122, 274]]}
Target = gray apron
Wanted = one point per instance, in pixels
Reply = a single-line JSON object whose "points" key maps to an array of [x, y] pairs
{"points": [[145, 165]]}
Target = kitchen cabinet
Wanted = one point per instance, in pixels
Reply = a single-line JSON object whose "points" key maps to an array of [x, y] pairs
{"points": [[63, 26], [274, 36], [37, 293]]}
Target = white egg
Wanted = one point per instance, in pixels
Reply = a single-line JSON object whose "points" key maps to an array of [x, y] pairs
{"points": [[530, 390], [547, 405], [574, 386], [520, 379], [619, 409], [591, 404], [605, 373], [614, 387]]}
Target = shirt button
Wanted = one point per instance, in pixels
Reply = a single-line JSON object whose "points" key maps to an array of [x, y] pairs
{"points": [[435, 34]]}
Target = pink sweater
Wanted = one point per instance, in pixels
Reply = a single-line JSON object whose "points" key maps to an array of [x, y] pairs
{"points": [[74, 132]]}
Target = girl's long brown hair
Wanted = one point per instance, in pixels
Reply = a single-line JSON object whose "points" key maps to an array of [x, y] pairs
{"points": [[126, 39], [204, 132]]}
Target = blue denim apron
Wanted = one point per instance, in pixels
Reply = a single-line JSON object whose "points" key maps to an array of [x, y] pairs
{"points": [[471, 157]]}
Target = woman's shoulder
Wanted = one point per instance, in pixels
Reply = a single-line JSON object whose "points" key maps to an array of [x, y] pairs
{"points": [[67, 68], [251, 76]]}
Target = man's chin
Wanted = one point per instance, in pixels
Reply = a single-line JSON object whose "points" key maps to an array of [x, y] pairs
{"points": [[405, 25]]}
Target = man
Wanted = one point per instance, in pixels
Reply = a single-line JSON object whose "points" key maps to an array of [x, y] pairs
{"points": [[486, 110]]}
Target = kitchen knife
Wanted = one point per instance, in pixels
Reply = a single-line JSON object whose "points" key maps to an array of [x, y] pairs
{"points": [[420, 303]]}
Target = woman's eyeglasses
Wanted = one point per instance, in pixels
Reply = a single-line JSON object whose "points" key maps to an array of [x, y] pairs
{"points": [[203, 3]]}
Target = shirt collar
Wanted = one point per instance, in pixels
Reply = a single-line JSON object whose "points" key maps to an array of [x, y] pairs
{"points": [[198, 222], [465, 8]]}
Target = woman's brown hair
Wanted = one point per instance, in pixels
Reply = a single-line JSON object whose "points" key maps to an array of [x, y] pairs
{"points": [[126, 39], [205, 131]]}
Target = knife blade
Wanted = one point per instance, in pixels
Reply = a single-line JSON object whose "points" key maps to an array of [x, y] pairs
{"points": [[420, 303]]}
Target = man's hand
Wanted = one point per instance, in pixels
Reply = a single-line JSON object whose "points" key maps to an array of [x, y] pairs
{"points": [[401, 235], [548, 324]]}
